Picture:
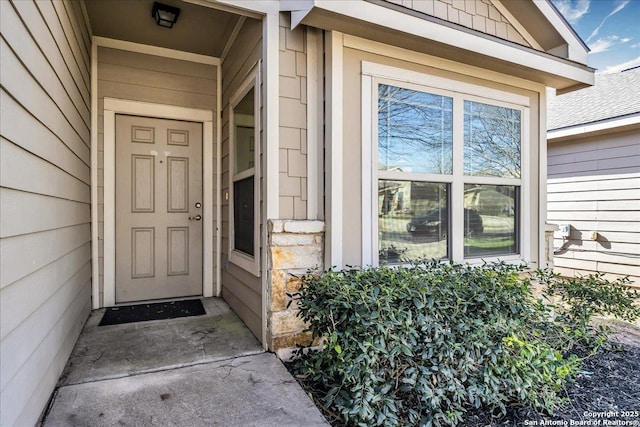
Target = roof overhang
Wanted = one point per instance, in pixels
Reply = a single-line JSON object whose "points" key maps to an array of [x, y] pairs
{"points": [[615, 124], [549, 28], [391, 24]]}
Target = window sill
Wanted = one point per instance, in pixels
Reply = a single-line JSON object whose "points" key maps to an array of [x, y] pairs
{"points": [[246, 262]]}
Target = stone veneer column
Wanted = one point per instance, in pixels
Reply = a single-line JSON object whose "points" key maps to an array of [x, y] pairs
{"points": [[295, 247]]}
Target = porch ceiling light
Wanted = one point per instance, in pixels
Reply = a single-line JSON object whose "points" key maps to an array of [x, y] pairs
{"points": [[165, 15]]}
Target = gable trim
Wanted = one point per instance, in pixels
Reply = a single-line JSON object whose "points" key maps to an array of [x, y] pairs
{"points": [[516, 24], [561, 25]]}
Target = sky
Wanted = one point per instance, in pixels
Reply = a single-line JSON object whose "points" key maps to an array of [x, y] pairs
{"points": [[611, 29]]}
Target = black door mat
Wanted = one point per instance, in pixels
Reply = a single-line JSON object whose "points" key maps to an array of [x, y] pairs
{"points": [[153, 311]]}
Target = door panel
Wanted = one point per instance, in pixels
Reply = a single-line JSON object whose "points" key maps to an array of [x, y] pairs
{"points": [[142, 252], [158, 231], [178, 184], [178, 250], [142, 184]]}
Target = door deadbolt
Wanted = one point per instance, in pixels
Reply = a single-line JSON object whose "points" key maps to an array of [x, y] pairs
{"points": [[195, 218], [198, 205]]}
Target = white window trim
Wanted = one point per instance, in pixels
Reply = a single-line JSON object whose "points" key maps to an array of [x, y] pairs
{"points": [[241, 259], [372, 75]]}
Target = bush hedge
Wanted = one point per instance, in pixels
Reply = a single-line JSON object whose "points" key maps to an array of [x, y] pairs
{"points": [[421, 345]]}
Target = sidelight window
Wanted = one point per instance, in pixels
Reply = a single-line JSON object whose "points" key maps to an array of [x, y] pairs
{"points": [[244, 134]]}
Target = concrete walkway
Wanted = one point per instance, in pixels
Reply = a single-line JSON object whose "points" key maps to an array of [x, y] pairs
{"points": [[196, 371]]}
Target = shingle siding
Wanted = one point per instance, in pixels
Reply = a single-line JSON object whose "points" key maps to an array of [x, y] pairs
{"points": [[293, 121], [479, 15]]}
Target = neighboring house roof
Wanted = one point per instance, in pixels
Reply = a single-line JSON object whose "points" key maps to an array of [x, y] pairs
{"points": [[614, 96]]}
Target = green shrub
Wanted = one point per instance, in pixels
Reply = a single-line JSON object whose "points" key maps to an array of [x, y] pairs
{"points": [[421, 345], [576, 300]]}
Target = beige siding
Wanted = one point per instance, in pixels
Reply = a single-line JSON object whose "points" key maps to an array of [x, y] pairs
{"points": [[480, 15], [352, 149], [594, 186], [139, 77], [241, 289], [45, 268], [293, 121]]}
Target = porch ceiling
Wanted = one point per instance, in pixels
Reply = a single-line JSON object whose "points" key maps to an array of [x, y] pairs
{"points": [[201, 30]]}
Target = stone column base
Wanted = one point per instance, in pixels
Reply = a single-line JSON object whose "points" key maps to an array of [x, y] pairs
{"points": [[295, 247]]}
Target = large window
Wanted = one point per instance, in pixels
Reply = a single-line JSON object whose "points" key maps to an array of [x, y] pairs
{"points": [[244, 158], [447, 166]]}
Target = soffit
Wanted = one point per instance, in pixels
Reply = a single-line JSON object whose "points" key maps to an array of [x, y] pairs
{"points": [[535, 23], [199, 29]]}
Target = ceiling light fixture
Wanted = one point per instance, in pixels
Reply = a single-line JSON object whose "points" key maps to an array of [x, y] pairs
{"points": [[164, 15]]}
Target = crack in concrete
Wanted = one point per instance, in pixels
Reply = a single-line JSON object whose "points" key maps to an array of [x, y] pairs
{"points": [[171, 368]]}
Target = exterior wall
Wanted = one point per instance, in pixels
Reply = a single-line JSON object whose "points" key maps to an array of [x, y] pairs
{"points": [[593, 185], [293, 121], [352, 148], [45, 267], [295, 247], [240, 288], [480, 15], [138, 77]]}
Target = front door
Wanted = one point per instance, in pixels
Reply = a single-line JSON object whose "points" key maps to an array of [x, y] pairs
{"points": [[158, 208]]}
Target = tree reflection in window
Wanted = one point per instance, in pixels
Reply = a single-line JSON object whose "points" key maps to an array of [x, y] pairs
{"points": [[492, 136], [415, 131]]}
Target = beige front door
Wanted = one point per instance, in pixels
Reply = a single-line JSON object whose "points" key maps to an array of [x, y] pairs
{"points": [[158, 208]]}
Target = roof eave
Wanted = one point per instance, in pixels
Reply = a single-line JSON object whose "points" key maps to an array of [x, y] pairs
{"points": [[430, 35], [614, 124]]}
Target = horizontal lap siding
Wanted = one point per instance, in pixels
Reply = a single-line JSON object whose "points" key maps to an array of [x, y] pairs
{"points": [[594, 186], [147, 78], [45, 267], [241, 289]]}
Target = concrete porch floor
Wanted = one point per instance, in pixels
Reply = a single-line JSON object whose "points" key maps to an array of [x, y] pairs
{"points": [[194, 371]]}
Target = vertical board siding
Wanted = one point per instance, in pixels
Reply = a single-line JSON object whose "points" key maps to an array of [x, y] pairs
{"points": [[140, 77], [240, 289], [45, 274], [594, 186]]}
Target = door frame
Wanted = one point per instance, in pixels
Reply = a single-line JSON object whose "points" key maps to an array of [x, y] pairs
{"points": [[113, 106]]}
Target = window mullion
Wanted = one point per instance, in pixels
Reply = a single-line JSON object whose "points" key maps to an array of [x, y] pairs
{"points": [[456, 207]]}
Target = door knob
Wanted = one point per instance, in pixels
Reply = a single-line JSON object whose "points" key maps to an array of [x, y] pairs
{"points": [[195, 218]]}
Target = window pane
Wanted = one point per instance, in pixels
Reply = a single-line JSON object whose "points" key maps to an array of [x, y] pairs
{"points": [[243, 215], [491, 140], [415, 131], [243, 116], [491, 220], [413, 220]]}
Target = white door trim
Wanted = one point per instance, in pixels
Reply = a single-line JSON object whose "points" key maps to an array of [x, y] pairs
{"points": [[114, 106]]}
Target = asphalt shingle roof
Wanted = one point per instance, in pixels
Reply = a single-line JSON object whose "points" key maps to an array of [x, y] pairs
{"points": [[612, 95]]}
